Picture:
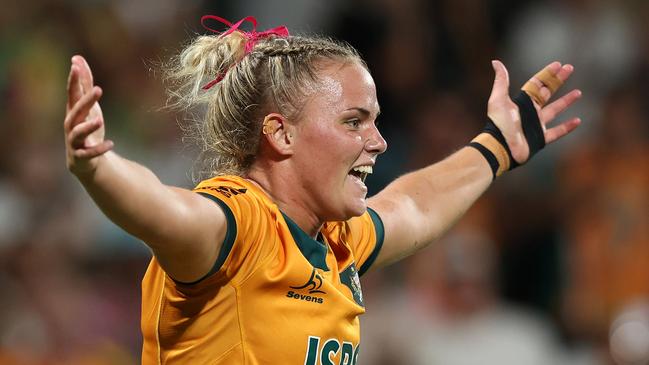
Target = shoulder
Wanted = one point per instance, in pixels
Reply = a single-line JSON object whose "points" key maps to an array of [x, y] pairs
{"points": [[246, 206], [251, 224]]}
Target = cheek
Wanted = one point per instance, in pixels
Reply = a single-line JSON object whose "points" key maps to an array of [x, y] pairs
{"points": [[345, 148], [331, 149]]}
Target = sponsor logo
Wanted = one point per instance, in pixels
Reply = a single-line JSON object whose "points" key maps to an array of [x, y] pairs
{"points": [[226, 190], [312, 286], [349, 277], [330, 352], [306, 298]]}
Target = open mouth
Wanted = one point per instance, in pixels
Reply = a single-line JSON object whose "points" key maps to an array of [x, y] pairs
{"points": [[361, 172]]}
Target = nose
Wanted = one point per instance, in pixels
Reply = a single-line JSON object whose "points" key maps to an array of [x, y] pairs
{"points": [[375, 143]]}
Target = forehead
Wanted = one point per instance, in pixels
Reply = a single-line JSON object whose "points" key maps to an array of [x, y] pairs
{"points": [[347, 85]]}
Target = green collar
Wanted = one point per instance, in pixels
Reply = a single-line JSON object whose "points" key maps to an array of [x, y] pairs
{"points": [[312, 250]]}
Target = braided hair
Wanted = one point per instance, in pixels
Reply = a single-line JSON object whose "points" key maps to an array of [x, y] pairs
{"points": [[226, 120]]}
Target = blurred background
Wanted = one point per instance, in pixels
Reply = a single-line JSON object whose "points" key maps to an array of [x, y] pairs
{"points": [[551, 266]]}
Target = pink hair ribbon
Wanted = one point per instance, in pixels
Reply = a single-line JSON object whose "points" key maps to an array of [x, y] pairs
{"points": [[252, 37]]}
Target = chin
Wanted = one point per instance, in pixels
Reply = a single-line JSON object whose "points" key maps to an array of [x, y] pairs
{"points": [[347, 210], [356, 209], [352, 203]]}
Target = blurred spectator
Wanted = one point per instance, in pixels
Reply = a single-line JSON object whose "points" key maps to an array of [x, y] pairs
{"points": [[629, 334], [606, 209], [595, 36]]}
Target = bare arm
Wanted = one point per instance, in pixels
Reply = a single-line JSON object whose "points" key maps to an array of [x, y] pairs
{"points": [[183, 229], [419, 207]]}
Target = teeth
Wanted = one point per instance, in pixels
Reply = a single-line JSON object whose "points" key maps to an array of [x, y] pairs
{"points": [[363, 169]]}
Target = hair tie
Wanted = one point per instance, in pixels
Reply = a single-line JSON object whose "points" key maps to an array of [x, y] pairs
{"points": [[252, 37]]}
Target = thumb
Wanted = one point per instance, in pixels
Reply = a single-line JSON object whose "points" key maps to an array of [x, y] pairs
{"points": [[85, 74], [501, 80]]}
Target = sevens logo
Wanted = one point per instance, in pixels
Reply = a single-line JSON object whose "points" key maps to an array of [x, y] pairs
{"points": [[313, 284]]}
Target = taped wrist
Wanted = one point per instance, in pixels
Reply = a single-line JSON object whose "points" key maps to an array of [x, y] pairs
{"points": [[492, 144]]}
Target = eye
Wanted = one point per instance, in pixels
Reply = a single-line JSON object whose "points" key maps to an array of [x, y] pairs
{"points": [[354, 123]]}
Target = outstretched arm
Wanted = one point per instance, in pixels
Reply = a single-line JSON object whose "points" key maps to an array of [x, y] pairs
{"points": [[183, 229], [419, 207]]}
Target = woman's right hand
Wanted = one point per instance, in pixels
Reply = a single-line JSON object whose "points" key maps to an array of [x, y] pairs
{"points": [[84, 121]]}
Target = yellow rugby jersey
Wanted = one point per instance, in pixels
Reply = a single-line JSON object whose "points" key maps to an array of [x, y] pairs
{"points": [[274, 296]]}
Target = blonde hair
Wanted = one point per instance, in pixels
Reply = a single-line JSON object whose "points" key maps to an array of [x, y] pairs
{"points": [[226, 119]]}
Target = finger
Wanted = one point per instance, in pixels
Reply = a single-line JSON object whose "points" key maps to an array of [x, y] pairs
{"points": [[94, 151], [85, 73], [73, 87], [544, 83], [558, 106], [81, 109], [81, 131], [538, 91], [501, 80], [564, 72], [548, 75], [561, 130]]}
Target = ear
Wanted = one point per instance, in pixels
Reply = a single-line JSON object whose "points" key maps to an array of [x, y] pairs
{"points": [[278, 134]]}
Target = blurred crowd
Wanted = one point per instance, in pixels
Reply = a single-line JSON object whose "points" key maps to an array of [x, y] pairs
{"points": [[551, 266]]}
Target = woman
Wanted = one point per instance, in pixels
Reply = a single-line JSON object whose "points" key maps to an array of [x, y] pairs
{"points": [[261, 262]]}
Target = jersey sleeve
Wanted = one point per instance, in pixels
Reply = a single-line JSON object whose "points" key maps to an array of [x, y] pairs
{"points": [[365, 238], [248, 241]]}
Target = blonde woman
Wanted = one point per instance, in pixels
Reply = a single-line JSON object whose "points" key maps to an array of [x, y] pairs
{"points": [[260, 263]]}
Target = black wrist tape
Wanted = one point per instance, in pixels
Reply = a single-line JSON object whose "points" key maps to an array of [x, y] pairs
{"points": [[492, 144]]}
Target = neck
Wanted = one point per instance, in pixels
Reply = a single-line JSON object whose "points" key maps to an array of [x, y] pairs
{"points": [[289, 198]]}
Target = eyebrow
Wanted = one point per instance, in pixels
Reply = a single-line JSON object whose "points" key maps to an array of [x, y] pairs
{"points": [[364, 111]]}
